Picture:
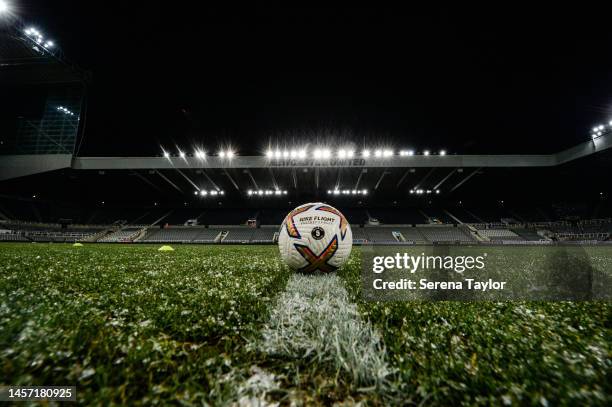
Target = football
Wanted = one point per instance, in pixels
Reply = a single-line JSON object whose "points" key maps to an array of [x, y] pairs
{"points": [[315, 238]]}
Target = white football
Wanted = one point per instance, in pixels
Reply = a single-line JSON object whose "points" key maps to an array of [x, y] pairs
{"points": [[315, 237]]}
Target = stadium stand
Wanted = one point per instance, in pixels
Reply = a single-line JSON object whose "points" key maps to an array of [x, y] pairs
{"points": [[39, 232], [359, 234], [412, 234], [171, 234], [528, 234], [437, 215], [238, 234], [13, 237], [207, 236], [264, 234], [122, 235], [380, 234], [499, 234], [445, 234]]}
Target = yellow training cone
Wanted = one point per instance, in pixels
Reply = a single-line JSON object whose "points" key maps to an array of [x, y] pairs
{"points": [[77, 244], [166, 249]]}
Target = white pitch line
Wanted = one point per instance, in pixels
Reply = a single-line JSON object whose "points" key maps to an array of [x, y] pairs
{"points": [[315, 319]]}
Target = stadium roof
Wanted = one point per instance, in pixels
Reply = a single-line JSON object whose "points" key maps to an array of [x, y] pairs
{"points": [[28, 58]]}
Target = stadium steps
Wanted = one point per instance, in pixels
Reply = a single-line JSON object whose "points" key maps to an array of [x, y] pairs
{"points": [[399, 236], [221, 236], [141, 234], [103, 233], [474, 233]]}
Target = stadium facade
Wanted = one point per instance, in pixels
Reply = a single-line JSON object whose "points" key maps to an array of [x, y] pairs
{"points": [[391, 196]]}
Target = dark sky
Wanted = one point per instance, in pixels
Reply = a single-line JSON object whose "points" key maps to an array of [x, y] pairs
{"points": [[471, 80]]}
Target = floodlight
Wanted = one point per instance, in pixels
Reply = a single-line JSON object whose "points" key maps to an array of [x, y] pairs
{"points": [[293, 153], [284, 192], [195, 192], [336, 192], [378, 153], [278, 154], [285, 154], [412, 191], [350, 154], [437, 191], [302, 154], [610, 124], [442, 152], [229, 154], [387, 153], [354, 192], [426, 152], [326, 153], [269, 154], [181, 154], [317, 153], [222, 154], [4, 7], [249, 192], [48, 44], [365, 153], [329, 191], [341, 154], [203, 193], [166, 154], [214, 192], [277, 192]]}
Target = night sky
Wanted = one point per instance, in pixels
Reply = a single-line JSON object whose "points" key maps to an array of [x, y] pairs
{"points": [[471, 80]]}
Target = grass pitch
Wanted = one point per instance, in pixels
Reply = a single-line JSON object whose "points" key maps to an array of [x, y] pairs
{"points": [[130, 325]]}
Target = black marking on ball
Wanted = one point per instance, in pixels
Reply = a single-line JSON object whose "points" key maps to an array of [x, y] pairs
{"points": [[318, 233]]}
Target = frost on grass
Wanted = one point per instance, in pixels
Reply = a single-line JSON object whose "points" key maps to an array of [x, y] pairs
{"points": [[315, 320], [253, 392]]}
